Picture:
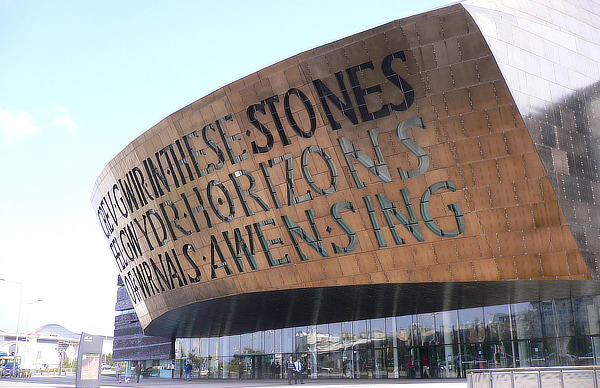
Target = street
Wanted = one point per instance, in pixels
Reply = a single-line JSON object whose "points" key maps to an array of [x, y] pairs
{"points": [[111, 382]]}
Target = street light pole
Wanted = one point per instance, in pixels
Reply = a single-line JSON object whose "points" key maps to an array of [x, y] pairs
{"points": [[27, 328], [18, 318]]}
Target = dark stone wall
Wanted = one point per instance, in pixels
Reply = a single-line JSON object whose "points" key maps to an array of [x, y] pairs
{"points": [[130, 343]]}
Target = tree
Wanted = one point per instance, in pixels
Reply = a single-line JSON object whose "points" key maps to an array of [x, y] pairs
{"points": [[107, 358], [194, 359], [67, 363]]}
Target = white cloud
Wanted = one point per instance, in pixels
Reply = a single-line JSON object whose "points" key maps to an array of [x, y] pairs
{"points": [[62, 118], [16, 125]]}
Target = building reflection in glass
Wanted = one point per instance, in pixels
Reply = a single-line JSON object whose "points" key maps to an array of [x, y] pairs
{"points": [[440, 344]]}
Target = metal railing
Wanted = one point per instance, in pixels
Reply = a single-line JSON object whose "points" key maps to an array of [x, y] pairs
{"points": [[542, 377]]}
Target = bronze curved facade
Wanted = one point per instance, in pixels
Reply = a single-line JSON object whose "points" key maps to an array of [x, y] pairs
{"points": [[409, 168]]}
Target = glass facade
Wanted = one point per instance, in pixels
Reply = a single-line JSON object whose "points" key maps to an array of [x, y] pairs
{"points": [[440, 344]]}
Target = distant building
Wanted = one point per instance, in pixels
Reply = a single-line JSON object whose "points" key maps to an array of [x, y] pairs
{"points": [[44, 347]]}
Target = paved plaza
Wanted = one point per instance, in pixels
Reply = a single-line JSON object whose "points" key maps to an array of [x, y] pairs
{"points": [[110, 382]]}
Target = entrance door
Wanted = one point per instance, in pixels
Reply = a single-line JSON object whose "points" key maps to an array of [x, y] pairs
{"points": [[264, 367], [413, 363], [531, 353], [423, 362], [256, 366], [246, 367], [259, 365], [361, 366], [427, 361]]}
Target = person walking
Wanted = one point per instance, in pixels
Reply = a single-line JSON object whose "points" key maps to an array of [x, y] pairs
{"points": [[425, 368], [289, 366], [119, 371], [188, 371], [138, 372], [458, 367], [298, 371]]}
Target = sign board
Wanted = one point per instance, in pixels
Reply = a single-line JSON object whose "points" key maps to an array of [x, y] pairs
{"points": [[88, 361]]}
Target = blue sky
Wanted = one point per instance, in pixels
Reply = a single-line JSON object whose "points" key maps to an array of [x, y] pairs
{"points": [[79, 80]]}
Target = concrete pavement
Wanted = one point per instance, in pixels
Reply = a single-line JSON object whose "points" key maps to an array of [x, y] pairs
{"points": [[111, 382]]}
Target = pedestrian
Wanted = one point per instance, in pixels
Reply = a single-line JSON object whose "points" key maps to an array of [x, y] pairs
{"points": [[289, 366], [298, 371], [188, 371], [425, 368], [138, 372], [119, 371]]}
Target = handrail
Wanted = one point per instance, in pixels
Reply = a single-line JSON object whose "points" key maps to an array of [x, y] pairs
{"points": [[535, 377]]}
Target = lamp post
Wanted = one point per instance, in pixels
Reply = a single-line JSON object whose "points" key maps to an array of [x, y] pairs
{"points": [[27, 326], [14, 366]]}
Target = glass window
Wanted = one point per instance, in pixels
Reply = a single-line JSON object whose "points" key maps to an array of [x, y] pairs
{"points": [[537, 353], [335, 336], [391, 356], [311, 358], [530, 353], [472, 325], [427, 328], [497, 321], [586, 313], [322, 339], [246, 343], [234, 344], [269, 341], [213, 356], [404, 328], [257, 342], [547, 333], [499, 354], [224, 367], [360, 334], [596, 344], [472, 356], [378, 363], [442, 362], [565, 349], [326, 365], [287, 340], [446, 327], [378, 332], [527, 320], [585, 351], [190, 346], [432, 361], [557, 317], [195, 345], [224, 346], [213, 347], [347, 334], [335, 360], [278, 341], [552, 352], [178, 347], [390, 331], [203, 347], [301, 340]]}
